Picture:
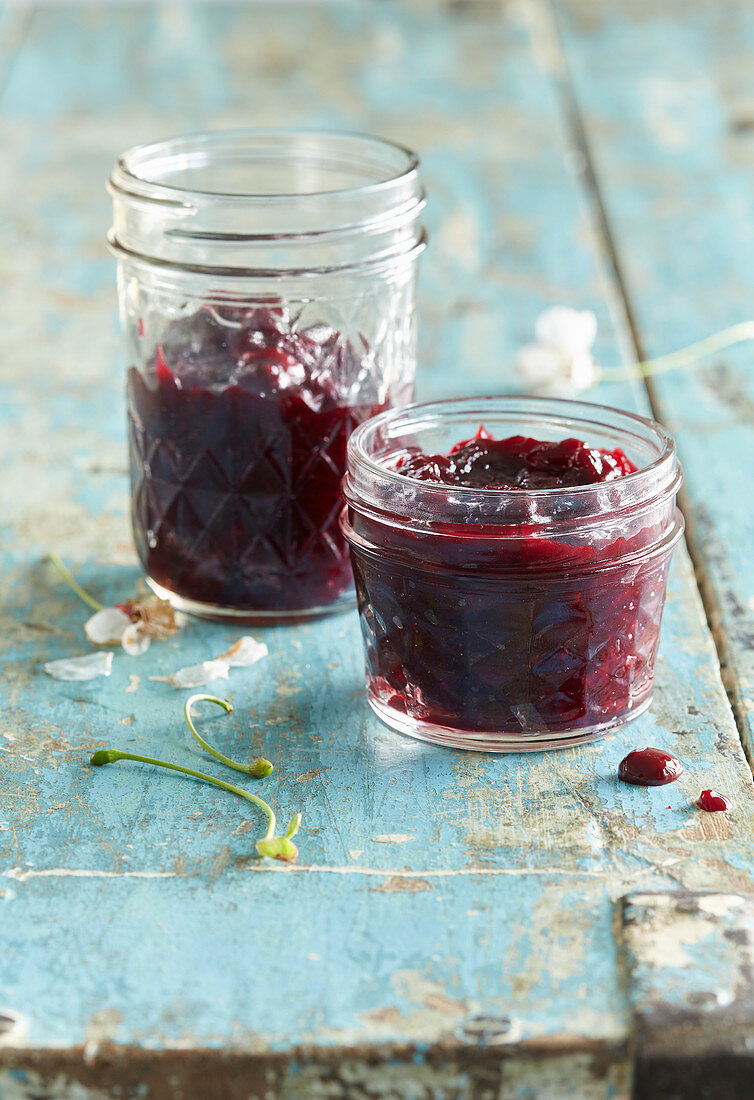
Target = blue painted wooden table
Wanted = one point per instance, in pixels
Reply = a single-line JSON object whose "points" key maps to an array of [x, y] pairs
{"points": [[458, 926]]}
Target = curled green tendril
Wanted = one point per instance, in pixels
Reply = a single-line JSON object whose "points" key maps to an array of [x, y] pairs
{"points": [[684, 357], [281, 847], [73, 584], [269, 846], [111, 756], [259, 768]]}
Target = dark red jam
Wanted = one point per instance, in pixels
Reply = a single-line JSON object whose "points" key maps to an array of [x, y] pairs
{"points": [[517, 463], [475, 626], [238, 431], [650, 767], [713, 802]]}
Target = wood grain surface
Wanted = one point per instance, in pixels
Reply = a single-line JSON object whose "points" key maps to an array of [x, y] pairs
{"points": [[454, 928]]}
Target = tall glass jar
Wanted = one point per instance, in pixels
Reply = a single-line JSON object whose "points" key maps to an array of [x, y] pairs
{"points": [[266, 285], [509, 619]]}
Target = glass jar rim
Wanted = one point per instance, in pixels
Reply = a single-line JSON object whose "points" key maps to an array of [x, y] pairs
{"points": [[258, 203], [372, 485], [129, 176]]}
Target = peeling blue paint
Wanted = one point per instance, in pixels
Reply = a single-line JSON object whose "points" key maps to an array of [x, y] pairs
{"points": [[495, 894]]}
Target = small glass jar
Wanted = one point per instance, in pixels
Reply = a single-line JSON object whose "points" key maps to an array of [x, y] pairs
{"points": [[266, 285], [509, 619]]}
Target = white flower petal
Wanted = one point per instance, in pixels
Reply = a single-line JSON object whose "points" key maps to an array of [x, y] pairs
{"points": [[135, 640], [106, 627], [538, 365], [555, 387], [572, 330], [568, 385], [81, 668], [583, 372], [246, 651], [196, 675]]}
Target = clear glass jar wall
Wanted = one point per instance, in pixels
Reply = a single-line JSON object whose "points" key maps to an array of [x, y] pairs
{"points": [[267, 285], [509, 619]]}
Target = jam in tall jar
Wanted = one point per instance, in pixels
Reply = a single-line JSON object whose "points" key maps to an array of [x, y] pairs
{"points": [[511, 559], [267, 288]]}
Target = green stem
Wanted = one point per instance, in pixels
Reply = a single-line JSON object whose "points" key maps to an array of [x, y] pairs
{"points": [[259, 768], [71, 581], [110, 756], [684, 357]]}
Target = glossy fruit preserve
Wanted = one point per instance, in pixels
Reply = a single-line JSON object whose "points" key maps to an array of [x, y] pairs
{"points": [[516, 463], [650, 767], [238, 446], [713, 802], [510, 585]]}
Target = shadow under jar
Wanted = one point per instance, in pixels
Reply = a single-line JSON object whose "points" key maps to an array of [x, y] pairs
{"points": [[510, 619], [266, 285]]}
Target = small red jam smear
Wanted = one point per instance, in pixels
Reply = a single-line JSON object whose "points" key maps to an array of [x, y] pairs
{"points": [[650, 767], [238, 432], [518, 462], [713, 802]]}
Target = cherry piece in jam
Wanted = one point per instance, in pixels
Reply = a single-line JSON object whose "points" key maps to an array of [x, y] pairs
{"points": [[650, 767], [713, 802]]}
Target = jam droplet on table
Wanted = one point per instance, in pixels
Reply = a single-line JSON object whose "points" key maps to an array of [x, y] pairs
{"points": [[650, 767], [713, 802]]}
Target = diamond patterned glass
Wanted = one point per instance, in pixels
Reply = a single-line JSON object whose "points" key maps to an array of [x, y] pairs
{"points": [[267, 304]]}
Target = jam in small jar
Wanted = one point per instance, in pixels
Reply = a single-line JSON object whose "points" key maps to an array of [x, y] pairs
{"points": [[267, 301], [511, 559]]}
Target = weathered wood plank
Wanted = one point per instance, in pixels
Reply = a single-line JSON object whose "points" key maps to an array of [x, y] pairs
{"points": [[451, 924], [691, 988], [666, 100]]}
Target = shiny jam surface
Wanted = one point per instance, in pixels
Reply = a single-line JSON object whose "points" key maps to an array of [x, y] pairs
{"points": [[650, 767], [517, 462], [238, 446], [473, 631], [713, 802]]}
